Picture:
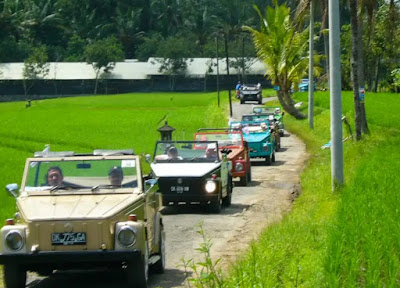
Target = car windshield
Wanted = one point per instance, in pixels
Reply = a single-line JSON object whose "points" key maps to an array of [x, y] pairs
{"points": [[247, 127], [74, 175], [267, 110], [186, 151], [258, 117], [226, 139]]}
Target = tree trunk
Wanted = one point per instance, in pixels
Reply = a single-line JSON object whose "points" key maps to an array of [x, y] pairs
{"points": [[377, 67], [361, 81], [354, 67], [288, 106]]}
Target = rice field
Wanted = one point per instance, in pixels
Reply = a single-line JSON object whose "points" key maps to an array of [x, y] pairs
{"points": [[83, 124]]}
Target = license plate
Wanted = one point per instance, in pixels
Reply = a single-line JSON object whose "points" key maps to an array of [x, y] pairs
{"points": [[70, 238], [179, 189]]}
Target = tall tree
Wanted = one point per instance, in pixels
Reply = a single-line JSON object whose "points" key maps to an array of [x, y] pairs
{"points": [[102, 55], [283, 50]]}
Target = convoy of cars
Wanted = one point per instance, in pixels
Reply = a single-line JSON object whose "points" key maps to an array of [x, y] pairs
{"points": [[101, 210]]}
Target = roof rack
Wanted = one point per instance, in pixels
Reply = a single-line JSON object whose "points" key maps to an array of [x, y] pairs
{"points": [[108, 152], [44, 154]]}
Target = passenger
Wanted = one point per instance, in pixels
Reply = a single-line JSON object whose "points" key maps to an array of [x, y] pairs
{"points": [[116, 175], [172, 154], [211, 152], [54, 176]]}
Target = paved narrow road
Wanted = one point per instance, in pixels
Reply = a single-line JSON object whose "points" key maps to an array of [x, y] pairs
{"points": [[264, 201]]}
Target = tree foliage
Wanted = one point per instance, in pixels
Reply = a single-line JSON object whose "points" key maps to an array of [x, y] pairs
{"points": [[102, 55], [36, 67]]}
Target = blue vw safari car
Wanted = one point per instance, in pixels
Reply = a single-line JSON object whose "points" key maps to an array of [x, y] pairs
{"points": [[259, 138], [84, 211], [193, 172]]}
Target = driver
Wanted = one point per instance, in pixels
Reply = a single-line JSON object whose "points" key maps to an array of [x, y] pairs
{"points": [[54, 176], [116, 175]]}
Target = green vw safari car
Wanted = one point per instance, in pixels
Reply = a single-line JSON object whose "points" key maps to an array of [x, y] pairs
{"points": [[276, 112], [193, 172], [84, 211]]}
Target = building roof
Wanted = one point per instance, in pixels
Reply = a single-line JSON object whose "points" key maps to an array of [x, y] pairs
{"points": [[130, 69]]}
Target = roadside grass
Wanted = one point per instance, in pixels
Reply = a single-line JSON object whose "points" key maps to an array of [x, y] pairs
{"points": [[349, 238], [82, 124]]}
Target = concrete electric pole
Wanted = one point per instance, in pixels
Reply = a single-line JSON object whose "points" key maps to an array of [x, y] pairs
{"points": [[311, 70], [335, 86]]}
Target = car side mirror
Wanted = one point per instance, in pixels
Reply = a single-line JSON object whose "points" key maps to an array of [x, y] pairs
{"points": [[149, 184], [12, 189], [148, 158]]}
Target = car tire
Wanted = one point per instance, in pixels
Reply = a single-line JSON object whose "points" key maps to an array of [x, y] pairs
{"points": [[281, 134], [249, 176], [215, 206], [244, 180], [260, 101], [14, 276], [273, 157], [138, 272], [241, 101], [226, 202], [159, 266], [268, 160]]}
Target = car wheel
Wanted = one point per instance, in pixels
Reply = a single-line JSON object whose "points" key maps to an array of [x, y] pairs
{"points": [[244, 180], [228, 198], [159, 266], [249, 176], [241, 101], [273, 157], [215, 206], [281, 134], [260, 101], [14, 276], [138, 272], [268, 160]]}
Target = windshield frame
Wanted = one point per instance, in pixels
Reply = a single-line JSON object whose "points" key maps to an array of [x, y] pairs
{"points": [[44, 191]]}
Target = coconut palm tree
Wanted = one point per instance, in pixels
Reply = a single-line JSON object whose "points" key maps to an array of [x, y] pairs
{"points": [[284, 51]]}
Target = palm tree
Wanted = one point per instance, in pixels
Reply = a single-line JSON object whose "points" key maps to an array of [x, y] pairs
{"points": [[283, 50]]}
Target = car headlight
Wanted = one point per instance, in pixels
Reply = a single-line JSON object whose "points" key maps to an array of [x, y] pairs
{"points": [[211, 186], [238, 166], [14, 240], [126, 236]]}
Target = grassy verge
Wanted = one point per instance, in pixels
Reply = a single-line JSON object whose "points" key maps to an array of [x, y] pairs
{"points": [[346, 239]]}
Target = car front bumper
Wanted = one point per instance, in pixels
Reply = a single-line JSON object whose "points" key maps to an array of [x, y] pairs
{"points": [[58, 260], [167, 198]]}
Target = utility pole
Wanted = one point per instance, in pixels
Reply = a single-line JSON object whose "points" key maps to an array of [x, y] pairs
{"points": [[335, 84], [311, 70], [216, 44]]}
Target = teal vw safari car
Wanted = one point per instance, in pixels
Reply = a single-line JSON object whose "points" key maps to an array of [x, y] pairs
{"points": [[259, 138]]}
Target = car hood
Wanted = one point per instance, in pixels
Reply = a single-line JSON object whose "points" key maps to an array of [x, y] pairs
{"points": [[59, 207], [235, 153], [256, 137], [183, 169]]}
